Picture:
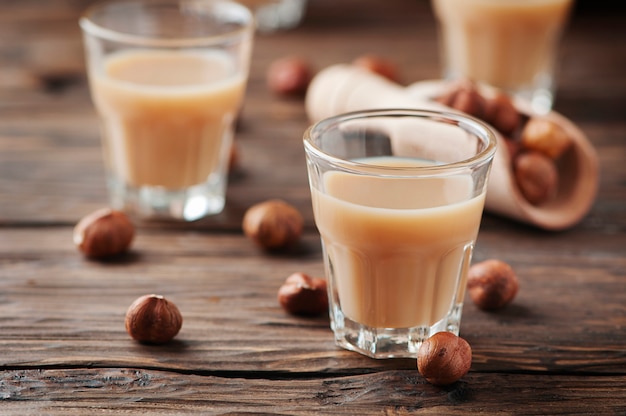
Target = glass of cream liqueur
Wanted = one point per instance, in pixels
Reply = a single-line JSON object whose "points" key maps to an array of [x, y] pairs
{"points": [[398, 197], [167, 79], [509, 44]]}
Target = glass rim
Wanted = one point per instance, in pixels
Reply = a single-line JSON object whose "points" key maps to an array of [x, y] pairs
{"points": [[463, 121], [89, 26]]}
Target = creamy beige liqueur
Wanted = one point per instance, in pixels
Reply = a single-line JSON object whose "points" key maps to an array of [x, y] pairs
{"points": [[164, 115], [397, 246]]}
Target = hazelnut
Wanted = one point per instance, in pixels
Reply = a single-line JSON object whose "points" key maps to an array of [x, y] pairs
{"points": [[378, 65], [273, 224], [304, 295], [153, 319], [492, 284], [104, 233], [464, 96], [545, 136], [502, 114], [536, 176], [289, 76], [444, 358]]}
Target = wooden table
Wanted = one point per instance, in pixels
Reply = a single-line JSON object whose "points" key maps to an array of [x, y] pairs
{"points": [[560, 348]]}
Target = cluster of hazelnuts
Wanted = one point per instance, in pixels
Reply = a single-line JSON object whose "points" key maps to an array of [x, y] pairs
{"points": [[106, 233], [535, 144], [443, 358]]}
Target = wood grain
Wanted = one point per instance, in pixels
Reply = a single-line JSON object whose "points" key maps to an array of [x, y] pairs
{"points": [[399, 392], [226, 289]]}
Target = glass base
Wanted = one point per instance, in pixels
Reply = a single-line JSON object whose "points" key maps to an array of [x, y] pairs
{"points": [[280, 15], [154, 202], [540, 98], [389, 342]]}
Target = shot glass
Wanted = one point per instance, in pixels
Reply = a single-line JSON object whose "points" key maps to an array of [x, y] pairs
{"points": [[511, 44], [398, 197], [167, 79]]}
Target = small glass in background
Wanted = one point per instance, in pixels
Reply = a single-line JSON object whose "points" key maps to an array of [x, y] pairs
{"points": [[167, 79], [509, 44]]}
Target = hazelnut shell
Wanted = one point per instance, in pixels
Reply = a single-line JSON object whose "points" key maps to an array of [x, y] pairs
{"points": [[152, 319], [289, 75], [536, 176], [545, 136], [273, 224], [104, 233], [463, 96], [502, 114], [492, 284], [304, 295], [444, 358]]}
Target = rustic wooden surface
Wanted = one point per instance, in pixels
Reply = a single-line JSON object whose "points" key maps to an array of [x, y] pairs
{"points": [[559, 349]]}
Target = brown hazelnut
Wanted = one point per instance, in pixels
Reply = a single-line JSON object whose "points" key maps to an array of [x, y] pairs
{"points": [[536, 176], [289, 76], [464, 96], [545, 136], [273, 224], [378, 65], [492, 284], [444, 358], [104, 233], [502, 114], [152, 319], [302, 294]]}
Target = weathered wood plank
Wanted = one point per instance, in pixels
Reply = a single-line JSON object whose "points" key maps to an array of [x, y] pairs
{"points": [[400, 392], [56, 307]]}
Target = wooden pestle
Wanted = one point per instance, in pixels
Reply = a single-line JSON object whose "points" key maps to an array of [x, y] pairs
{"points": [[345, 88]]}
